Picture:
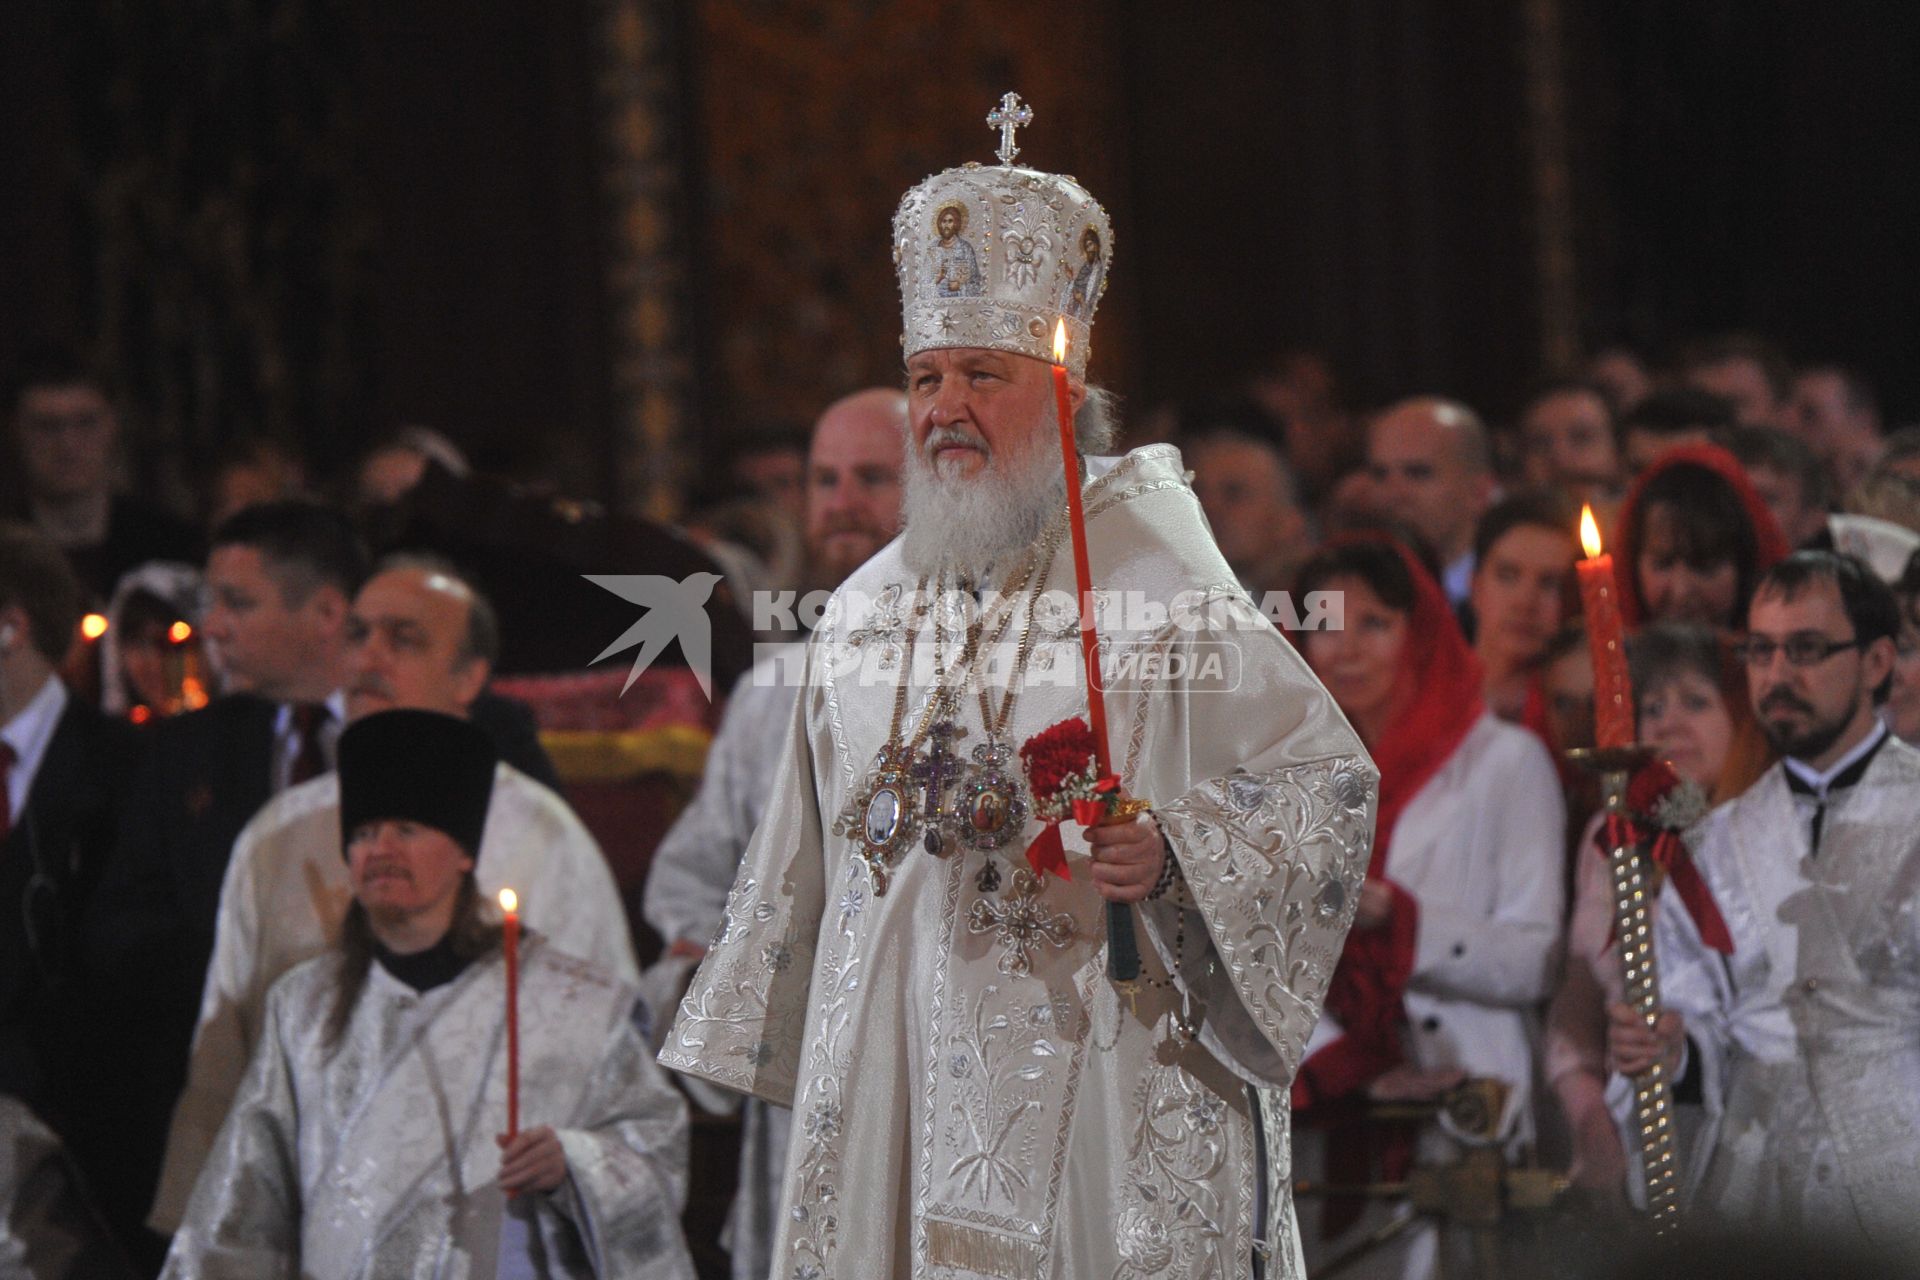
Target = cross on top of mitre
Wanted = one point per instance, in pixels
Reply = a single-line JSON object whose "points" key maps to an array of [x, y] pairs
{"points": [[1008, 117]]}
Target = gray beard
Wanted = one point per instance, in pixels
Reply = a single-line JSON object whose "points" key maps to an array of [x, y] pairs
{"points": [[968, 527]]}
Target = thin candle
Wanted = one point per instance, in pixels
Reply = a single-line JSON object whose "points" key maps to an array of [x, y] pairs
{"points": [[1606, 640], [1082, 572], [1123, 954], [510, 939]]}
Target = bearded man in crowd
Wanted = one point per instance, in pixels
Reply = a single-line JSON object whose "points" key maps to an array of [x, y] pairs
{"points": [[1805, 1037]]}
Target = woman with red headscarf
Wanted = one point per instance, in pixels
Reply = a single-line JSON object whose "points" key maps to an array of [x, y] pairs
{"points": [[1458, 923], [1694, 538]]}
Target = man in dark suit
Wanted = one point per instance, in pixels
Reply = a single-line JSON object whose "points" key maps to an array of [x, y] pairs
{"points": [[61, 766], [279, 581]]}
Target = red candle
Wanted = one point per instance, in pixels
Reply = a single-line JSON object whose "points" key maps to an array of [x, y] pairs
{"points": [[1606, 640], [510, 904], [1082, 572]]}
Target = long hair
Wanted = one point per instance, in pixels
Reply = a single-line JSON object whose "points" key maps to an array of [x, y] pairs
{"points": [[472, 934], [1717, 517]]}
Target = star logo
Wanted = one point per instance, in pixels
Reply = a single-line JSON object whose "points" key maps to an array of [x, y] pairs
{"points": [[674, 610]]}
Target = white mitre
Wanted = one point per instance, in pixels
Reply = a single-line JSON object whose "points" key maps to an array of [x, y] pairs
{"points": [[994, 256], [1884, 546]]}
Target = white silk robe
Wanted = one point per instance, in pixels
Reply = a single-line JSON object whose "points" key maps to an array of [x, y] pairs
{"points": [[971, 1096], [376, 1160], [286, 892], [1808, 1035]]}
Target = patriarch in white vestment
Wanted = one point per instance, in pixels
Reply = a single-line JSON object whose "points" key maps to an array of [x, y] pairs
{"points": [[906, 965]]}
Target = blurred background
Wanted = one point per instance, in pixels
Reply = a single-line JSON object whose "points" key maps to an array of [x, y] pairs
{"points": [[595, 241]]}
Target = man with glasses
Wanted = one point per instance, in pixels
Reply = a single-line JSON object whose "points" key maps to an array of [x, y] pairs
{"points": [[1805, 1038]]}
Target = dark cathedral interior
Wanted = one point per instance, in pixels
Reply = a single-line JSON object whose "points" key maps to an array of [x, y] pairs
{"points": [[468, 335]]}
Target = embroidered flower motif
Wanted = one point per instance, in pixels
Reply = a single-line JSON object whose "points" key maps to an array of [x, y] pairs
{"points": [[777, 956], [1145, 1242], [850, 904], [959, 1065], [1204, 1113], [807, 1271], [1349, 789], [823, 1122], [759, 1054], [1027, 246], [1245, 794]]}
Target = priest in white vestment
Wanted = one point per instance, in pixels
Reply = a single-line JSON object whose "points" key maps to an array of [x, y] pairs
{"points": [[367, 1138], [853, 510], [418, 636], [1806, 1037], [973, 1095]]}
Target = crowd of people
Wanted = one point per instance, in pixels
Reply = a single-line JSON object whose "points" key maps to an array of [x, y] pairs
{"points": [[259, 796]]}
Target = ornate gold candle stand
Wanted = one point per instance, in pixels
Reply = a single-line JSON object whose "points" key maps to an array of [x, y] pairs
{"points": [[1634, 887]]}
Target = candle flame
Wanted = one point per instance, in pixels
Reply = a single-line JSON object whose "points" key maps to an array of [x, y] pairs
{"points": [[509, 901], [1060, 340], [179, 633], [93, 626], [1589, 532]]}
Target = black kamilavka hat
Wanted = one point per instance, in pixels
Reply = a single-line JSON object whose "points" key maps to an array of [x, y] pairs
{"points": [[419, 766]]}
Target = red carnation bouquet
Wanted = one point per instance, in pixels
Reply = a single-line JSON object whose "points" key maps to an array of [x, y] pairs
{"points": [[1064, 777], [1660, 805]]}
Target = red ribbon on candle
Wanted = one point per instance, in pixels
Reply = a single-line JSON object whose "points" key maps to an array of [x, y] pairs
{"points": [[510, 939], [1606, 641], [1667, 851]]}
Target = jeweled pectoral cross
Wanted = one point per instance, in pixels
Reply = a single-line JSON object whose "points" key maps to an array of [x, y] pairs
{"points": [[1011, 115], [934, 771]]}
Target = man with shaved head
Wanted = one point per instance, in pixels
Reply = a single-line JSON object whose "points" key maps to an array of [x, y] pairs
{"points": [[418, 635], [853, 482], [853, 510], [1431, 468]]}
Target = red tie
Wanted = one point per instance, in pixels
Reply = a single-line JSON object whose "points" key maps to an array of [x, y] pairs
{"points": [[8, 757], [309, 718]]}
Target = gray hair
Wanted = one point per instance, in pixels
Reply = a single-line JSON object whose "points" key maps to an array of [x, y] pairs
{"points": [[1097, 425]]}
